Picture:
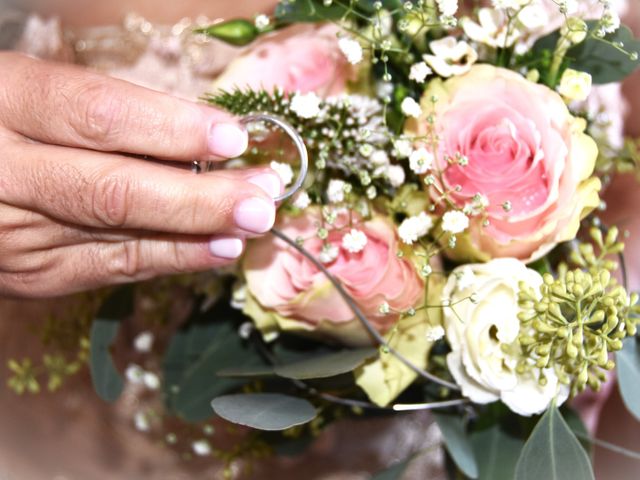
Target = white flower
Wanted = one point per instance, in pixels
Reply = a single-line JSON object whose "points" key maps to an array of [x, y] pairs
{"points": [[434, 333], [420, 161], [143, 342], [134, 374], [402, 147], [151, 380], [411, 108], [301, 200], [141, 422], [412, 228], [466, 278], [379, 158], [354, 241], [419, 72], [305, 105], [450, 57], [454, 222], [448, 8], [514, 4], [335, 191], [329, 253], [284, 171], [493, 29], [533, 18], [262, 21], [575, 30], [351, 49], [574, 85], [396, 176], [201, 448], [610, 21], [484, 339]]}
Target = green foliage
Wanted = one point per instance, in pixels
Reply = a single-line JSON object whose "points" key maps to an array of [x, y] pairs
{"points": [[264, 411], [107, 381], [458, 443], [497, 452], [577, 319], [309, 11], [629, 375], [394, 472], [326, 365], [553, 452]]}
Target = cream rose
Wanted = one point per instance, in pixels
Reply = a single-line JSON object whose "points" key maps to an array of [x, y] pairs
{"points": [[484, 337], [527, 156]]}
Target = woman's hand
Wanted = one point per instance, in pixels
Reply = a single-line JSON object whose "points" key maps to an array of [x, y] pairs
{"points": [[76, 214]]}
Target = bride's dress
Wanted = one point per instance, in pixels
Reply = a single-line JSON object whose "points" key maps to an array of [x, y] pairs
{"points": [[74, 435]]}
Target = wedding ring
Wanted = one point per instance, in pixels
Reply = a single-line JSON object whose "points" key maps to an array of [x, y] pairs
{"points": [[295, 138]]}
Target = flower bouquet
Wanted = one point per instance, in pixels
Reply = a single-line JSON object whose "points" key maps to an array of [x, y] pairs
{"points": [[445, 252]]}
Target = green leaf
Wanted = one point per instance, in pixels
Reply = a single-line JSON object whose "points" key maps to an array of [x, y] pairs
{"points": [[394, 472], [553, 452], [628, 360], [251, 371], [457, 443], [264, 411], [578, 428], [497, 453], [326, 365], [309, 11], [106, 379]]}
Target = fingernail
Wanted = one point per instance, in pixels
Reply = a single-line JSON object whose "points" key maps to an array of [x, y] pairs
{"points": [[255, 215], [227, 140], [269, 182], [226, 247]]}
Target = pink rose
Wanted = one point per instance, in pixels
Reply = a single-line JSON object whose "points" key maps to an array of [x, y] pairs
{"points": [[527, 155], [287, 292], [296, 60]]}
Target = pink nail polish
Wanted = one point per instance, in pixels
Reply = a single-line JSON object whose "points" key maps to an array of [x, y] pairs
{"points": [[269, 182], [227, 140], [229, 248], [255, 215]]}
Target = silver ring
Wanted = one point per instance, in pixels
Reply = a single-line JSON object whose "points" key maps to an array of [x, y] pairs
{"points": [[297, 141]]}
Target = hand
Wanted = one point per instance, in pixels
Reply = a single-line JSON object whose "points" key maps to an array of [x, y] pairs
{"points": [[75, 214]]}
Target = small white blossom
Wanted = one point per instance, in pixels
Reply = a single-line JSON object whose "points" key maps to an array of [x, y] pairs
{"points": [[610, 21], [448, 7], [201, 448], [141, 422], [419, 72], [134, 374], [335, 191], [574, 85], [245, 329], [434, 333], [396, 175], [305, 105], [379, 158], [262, 21], [402, 147], [384, 308], [411, 108], [284, 171], [420, 161], [354, 241], [301, 200], [450, 57], [351, 49], [412, 228], [454, 222], [151, 380], [329, 253], [466, 278], [143, 342]]}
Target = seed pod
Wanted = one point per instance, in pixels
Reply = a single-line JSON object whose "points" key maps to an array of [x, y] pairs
{"points": [[572, 351], [234, 32]]}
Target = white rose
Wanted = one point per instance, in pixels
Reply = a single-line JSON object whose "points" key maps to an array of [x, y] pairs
{"points": [[484, 338]]}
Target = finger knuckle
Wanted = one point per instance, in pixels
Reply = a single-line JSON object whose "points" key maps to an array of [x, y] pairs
{"points": [[127, 263], [97, 113], [110, 200]]}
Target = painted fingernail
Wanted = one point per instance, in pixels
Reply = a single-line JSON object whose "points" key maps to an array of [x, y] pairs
{"points": [[227, 140], [269, 182], [255, 215], [226, 247]]}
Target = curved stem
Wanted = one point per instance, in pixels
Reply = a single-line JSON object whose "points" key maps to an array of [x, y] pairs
{"points": [[360, 316]]}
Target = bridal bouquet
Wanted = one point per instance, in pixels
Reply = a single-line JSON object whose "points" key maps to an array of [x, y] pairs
{"points": [[445, 252]]}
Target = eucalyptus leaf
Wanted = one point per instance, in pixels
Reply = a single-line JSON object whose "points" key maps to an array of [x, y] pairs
{"points": [[394, 472], [497, 453], [326, 365], [553, 452], [264, 411], [107, 381], [251, 371], [628, 360], [457, 443]]}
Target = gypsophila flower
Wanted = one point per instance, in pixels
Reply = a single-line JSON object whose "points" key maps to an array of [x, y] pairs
{"points": [[151, 380], [396, 175], [434, 333], [284, 171], [448, 7], [335, 191], [411, 108], [134, 374], [143, 342], [329, 253], [412, 228], [305, 105], [141, 422], [610, 21], [575, 85], [351, 49], [301, 200], [379, 157], [466, 278], [384, 308], [419, 72], [201, 448], [402, 147], [420, 161], [354, 241], [454, 222], [262, 21], [451, 57]]}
